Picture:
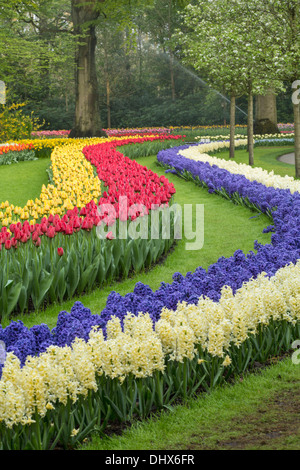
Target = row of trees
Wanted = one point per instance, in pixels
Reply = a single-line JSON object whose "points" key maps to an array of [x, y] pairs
{"points": [[138, 61], [247, 48], [139, 79]]}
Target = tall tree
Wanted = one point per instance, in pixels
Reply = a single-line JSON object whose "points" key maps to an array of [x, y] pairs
{"points": [[281, 21], [85, 13], [160, 20], [34, 37], [266, 121], [222, 40]]}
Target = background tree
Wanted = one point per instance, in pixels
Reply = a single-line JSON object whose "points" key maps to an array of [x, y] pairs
{"points": [[160, 20], [132, 60], [224, 41], [281, 21], [87, 112], [37, 44]]}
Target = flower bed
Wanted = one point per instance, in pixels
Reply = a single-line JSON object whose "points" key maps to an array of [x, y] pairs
{"points": [[72, 183], [15, 152], [110, 132], [147, 348], [286, 127], [63, 254], [201, 153], [42, 134], [137, 131], [262, 140]]}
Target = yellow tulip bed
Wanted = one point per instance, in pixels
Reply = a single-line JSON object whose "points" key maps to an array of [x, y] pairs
{"points": [[74, 183]]}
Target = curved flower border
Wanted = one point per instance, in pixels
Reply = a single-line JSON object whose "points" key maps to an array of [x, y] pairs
{"points": [[204, 312], [280, 204]]}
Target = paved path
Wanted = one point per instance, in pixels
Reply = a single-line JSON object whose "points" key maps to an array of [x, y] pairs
{"points": [[288, 158]]}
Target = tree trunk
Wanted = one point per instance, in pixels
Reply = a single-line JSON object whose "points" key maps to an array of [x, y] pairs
{"points": [[232, 126], [107, 82], [250, 129], [108, 103], [87, 112], [266, 107], [173, 91], [297, 138], [266, 114]]}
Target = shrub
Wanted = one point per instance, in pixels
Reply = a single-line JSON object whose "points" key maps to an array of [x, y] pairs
{"points": [[14, 125]]}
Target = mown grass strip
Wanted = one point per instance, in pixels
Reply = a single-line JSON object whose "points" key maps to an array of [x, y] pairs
{"points": [[257, 412]]}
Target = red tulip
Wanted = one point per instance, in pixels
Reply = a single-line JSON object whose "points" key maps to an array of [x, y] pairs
{"points": [[60, 251], [38, 242], [14, 242], [50, 232], [7, 244]]}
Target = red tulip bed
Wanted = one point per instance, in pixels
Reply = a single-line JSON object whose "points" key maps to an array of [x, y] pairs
{"points": [[62, 255]]}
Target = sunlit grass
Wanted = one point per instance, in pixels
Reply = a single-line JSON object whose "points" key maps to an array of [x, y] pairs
{"points": [[22, 181]]}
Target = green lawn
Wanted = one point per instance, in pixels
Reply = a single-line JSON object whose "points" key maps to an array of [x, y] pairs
{"points": [[266, 158], [22, 181]]}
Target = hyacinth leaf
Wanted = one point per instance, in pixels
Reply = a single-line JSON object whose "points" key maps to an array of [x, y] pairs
{"points": [[118, 411]]}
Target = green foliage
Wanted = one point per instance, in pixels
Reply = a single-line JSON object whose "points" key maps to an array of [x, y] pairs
{"points": [[16, 157]]}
